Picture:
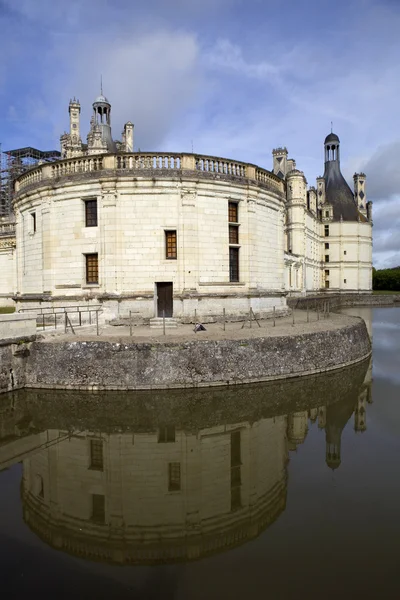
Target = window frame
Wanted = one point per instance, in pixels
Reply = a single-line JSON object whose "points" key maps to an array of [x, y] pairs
{"points": [[174, 477], [96, 455], [171, 248], [88, 268], [91, 216], [234, 267], [233, 239]]}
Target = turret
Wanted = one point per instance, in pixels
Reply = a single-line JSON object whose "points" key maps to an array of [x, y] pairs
{"points": [[102, 121], [337, 192], [296, 192], [312, 200], [320, 191], [74, 118], [281, 164], [360, 194], [127, 137], [71, 143]]}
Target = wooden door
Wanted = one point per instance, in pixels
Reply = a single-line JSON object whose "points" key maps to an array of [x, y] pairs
{"points": [[164, 299]]}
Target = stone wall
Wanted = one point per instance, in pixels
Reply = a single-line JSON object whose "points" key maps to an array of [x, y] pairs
{"points": [[111, 365], [12, 366], [339, 301]]}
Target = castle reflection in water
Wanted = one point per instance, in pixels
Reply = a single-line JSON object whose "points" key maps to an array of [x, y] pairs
{"points": [[152, 478]]}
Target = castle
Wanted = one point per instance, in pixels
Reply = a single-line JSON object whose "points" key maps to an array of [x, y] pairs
{"points": [[176, 234]]}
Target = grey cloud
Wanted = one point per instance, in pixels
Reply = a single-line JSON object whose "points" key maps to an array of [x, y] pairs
{"points": [[383, 171], [149, 79]]}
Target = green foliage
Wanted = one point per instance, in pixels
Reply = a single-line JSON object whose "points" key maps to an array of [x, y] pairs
{"points": [[5, 310], [386, 279]]}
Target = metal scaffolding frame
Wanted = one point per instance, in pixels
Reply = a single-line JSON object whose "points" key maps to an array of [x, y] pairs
{"points": [[15, 162]]}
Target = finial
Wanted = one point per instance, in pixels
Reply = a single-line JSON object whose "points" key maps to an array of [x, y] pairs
{"points": [[101, 84], [331, 126]]}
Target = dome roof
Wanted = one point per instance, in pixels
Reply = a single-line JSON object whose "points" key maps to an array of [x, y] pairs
{"points": [[332, 137], [101, 99]]}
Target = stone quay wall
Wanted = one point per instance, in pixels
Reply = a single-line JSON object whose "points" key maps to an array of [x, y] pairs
{"points": [[98, 365], [16, 333], [342, 300]]}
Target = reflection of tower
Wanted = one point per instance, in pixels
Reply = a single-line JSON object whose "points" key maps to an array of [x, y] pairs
{"points": [[337, 415], [313, 414], [321, 417], [156, 496], [297, 428]]}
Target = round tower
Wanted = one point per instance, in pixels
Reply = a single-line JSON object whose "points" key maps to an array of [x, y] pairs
{"points": [[102, 118], [332, 148]]}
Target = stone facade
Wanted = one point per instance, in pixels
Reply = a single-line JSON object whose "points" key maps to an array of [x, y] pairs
{"points": [[183, 235]]}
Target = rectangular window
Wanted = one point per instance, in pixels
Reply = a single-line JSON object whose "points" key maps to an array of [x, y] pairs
{"points": [[233, 212], [96, 454], [345, 252], [326, 273], [170, 245], [236, 498], [166, 434], [236, 475], [33, 215], [344, 280], [90, 213], [233, 264], [98, 508], [326, 230], [326, 257], [326, 284], [326, 246], [92, 268], [327, 213], [174, 477], [233, 234]]}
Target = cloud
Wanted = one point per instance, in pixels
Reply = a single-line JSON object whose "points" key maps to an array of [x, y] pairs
{"points": [[233, 76], [149, 79]]}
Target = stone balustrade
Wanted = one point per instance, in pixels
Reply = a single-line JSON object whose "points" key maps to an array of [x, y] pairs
{"points": [[220, 165], [265, 176], [148, 161], [7, 229], [76, 165], [32, 176]]}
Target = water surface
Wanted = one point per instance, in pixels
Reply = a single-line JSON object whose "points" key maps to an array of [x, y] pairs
{"points": [[284, 490]]}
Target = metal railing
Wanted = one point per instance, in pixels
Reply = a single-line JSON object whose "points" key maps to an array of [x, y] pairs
{"points": [[54, 317]]}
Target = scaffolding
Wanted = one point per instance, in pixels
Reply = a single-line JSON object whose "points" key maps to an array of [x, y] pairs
{"points": [[12, 164]]}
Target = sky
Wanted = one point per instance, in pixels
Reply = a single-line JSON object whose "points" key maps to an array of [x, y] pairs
{"points": [[232, 78]]}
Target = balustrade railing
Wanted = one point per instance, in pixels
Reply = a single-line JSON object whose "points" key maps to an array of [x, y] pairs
{"points": [[31, 176], [149, 161], [141, 161], [220, 165], [265, 176], [7, 229], [76, 165]]}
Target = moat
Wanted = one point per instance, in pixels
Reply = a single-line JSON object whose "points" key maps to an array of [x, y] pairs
{"points": [[284, 490]]}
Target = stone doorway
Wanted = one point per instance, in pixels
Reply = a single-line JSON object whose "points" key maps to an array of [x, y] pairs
{"points": [[164, 299]]}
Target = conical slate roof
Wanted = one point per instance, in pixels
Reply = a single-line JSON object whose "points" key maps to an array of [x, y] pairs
{"points": [[339, 194]]}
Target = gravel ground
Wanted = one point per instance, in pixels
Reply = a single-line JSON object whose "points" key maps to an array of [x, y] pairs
{"points": [[214, 331]]}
